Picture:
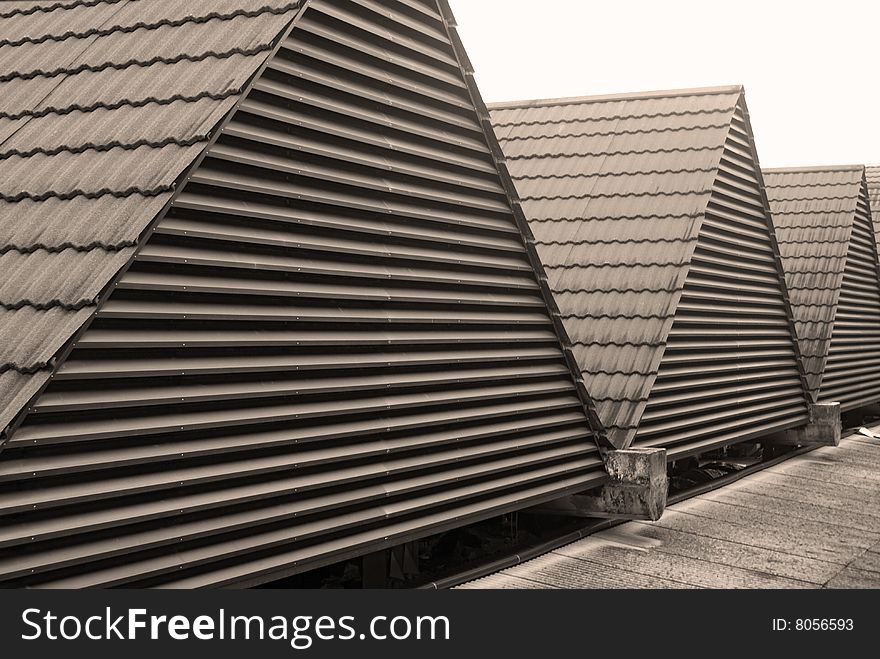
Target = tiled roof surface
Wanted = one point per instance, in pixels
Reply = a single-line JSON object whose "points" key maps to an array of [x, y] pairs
{"points": [[103, 105], [614, 189], [813, 212], [873, 176]]}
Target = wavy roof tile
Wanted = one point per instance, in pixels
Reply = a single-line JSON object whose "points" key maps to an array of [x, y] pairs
{"points": [[104, 104]]}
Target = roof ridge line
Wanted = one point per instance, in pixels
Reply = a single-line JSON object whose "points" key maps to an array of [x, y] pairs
{"points": [[626, 96], [125, 29]]}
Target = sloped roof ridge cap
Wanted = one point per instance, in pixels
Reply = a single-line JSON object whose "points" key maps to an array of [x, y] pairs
{"points": [[626, 96], [815, 168]]}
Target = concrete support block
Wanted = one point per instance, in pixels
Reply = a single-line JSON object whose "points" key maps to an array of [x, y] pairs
{"points": [[823, 429], [637, 489]]}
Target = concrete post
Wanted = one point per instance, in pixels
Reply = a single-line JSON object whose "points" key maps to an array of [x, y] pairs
{"points": [[823, 429], [637, 488]]}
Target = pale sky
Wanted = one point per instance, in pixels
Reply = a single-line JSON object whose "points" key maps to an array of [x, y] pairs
{"points": [[807, 66]]}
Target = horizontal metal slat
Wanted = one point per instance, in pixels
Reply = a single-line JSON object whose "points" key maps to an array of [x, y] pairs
{"points": [[354, 33], [381, 160], [152, 422], [139, 510], [487, 504], [365, 291], [337, 79], [33, 561], [334, 117], [336, 242], [212, 176], [219, 210], [81, 367], [327, 173], [313, 447], [377, 27], [101, 338], [182, 393], [293, 261]]}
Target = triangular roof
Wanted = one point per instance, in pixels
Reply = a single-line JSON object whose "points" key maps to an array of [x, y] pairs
{"points": [[615, 189], [813, 210], [336, 337], [103, 108]]}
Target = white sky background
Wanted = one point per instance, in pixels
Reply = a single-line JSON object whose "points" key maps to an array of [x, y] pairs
{"points": [[807, 66]]}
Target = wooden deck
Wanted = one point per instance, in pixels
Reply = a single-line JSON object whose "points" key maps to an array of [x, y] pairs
{"points": [[810, 522]]}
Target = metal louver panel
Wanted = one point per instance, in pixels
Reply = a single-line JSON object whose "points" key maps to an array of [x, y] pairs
{"points": [[730, 369], [852, 372], [334, 341]]}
